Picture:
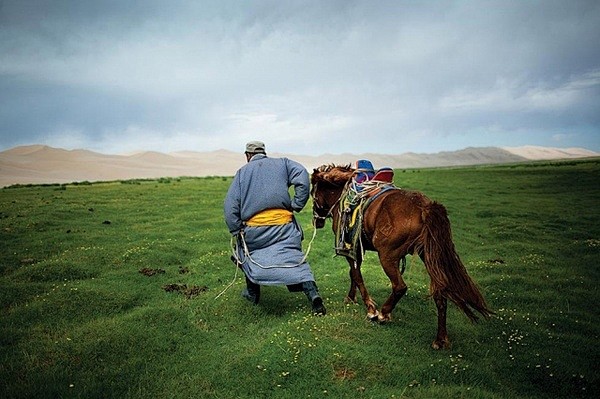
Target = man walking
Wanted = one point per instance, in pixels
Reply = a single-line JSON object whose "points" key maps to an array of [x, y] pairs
{"points": [[259, 212]]}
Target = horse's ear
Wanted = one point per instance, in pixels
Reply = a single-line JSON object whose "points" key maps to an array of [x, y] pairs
{"points": [[319, 169]]}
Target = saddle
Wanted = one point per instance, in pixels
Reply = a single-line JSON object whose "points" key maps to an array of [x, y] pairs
{"points": [[366, 185]]}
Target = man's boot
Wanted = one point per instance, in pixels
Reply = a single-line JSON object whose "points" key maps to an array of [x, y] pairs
{"points": [[251, 292], [312, 293]]}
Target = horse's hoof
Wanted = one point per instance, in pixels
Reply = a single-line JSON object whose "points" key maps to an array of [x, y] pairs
{"points": [[349, 301], [441, 344], [384, 318], [373, 316]]}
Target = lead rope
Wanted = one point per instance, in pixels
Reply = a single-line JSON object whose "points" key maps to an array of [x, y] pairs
{"points": [[237, 262], [235, 255]]}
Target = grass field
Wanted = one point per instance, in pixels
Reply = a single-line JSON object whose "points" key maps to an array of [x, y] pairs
{"points": [[108, 290]]}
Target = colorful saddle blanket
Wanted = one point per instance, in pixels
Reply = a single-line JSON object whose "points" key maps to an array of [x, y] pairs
{"points": [[357, 196]]}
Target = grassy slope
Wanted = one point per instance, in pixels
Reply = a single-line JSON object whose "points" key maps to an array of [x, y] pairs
{"points": [[79, 320]]}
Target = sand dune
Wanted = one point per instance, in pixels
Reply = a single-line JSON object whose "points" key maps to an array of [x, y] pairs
{"points": [[540, 153], [38, 164]]}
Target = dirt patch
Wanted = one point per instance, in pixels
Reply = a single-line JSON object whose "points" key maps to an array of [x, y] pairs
{"points": [[151, 272], [344, 374], [189, 292]]}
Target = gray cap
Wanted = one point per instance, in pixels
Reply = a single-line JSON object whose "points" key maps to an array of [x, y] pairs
{"points": [[255, 146]]}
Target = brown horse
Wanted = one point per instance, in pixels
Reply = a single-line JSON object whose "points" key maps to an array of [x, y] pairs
{"points": [[396, 223]]}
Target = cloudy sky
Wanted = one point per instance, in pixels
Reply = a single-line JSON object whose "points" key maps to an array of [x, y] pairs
{"points": [[306, 77]]}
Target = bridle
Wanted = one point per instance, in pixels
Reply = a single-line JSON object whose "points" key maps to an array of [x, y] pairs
{"points": [[318, 207]]}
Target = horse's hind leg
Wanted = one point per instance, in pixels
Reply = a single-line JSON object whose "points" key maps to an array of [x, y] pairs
{"points": [[390, 266], [357, 282], [441, 340], [441, 302]]}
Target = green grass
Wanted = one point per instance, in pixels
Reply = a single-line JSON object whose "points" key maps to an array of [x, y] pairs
{"points": [[78, 319]]}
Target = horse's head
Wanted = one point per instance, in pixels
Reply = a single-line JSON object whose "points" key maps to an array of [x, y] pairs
{"points": [[328, 182]]}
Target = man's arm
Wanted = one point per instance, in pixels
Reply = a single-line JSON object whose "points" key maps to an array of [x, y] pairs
{"points": [[298, 177], [232, 207]]}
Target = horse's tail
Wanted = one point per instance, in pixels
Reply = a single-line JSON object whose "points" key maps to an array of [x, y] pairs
{"points": [[448, 274]]}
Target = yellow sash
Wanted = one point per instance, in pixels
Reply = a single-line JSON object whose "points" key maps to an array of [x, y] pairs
{"points": [[270, 217]]}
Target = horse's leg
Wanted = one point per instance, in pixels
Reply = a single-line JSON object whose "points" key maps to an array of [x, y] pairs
{"points": [[356, 277], [390, 264], [441, 302], [351, 297], [441, 341]]}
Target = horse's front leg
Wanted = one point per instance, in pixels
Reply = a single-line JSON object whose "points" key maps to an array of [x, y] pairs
{"points": [[357, 279], [441, 340], [351, 297]]}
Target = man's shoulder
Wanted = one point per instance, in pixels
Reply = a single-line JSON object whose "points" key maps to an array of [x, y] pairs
{"points": [[292, 161], [282, 162], [276, 160]]}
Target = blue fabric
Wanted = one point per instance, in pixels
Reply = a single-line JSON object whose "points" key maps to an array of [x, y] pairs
{"points": [[263, 183], [275, 251], [275, 255], [364, 164], [364, 171]]}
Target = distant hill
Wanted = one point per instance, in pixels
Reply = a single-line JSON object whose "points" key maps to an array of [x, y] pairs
{"points": [[38, 164]]}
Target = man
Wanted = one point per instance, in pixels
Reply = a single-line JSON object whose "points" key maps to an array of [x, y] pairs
{"points": [[259, 212]]}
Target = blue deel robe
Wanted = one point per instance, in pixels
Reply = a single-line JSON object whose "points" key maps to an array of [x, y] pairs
{"points": [[275, 251]]}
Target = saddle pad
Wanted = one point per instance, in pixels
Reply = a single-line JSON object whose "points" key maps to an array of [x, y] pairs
{"points": [[385, 175]]}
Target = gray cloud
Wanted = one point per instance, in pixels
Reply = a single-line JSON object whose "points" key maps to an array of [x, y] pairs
{"points": [[342, 75]]}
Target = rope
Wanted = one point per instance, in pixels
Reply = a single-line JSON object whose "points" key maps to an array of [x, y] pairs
{"points": [[230, 284], [367, 189], [357, 195], [235, 254], [247, 253]]}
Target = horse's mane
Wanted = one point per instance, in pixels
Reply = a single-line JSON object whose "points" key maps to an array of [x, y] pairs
{"points": [[334, 174]]}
